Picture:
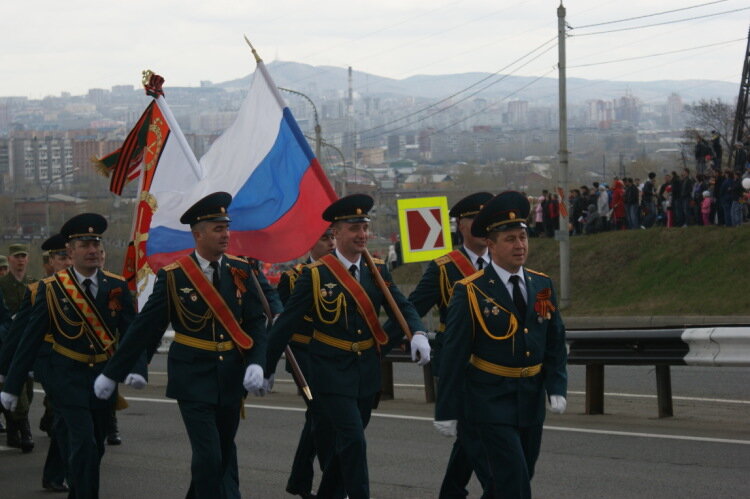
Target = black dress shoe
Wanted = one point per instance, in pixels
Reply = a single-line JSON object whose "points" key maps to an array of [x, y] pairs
{"points": [[114, 438], [27, 442], [55, 487], [303, 495]]}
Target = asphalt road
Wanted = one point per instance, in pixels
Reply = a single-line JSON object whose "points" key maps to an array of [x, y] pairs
{"points": [[704, 451]]}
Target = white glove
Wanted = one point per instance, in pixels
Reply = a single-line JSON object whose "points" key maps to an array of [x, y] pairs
{"points": [[557, 404], [446, 428], [104, 387], [253, 378], [136, 381], [420, 344], [266, 388], [9, 401]]}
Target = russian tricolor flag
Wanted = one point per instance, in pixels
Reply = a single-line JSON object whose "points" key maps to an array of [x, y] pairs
{"points": [[265, 162]]}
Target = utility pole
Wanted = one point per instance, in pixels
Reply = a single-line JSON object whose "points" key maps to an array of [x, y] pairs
{"points": [[741, 116], [562, 234]]}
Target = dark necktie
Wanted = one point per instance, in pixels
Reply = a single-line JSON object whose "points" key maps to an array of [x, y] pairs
{"points": [[518, 300], [353, 270], [215, 278], [480, 263], [87, 288]]}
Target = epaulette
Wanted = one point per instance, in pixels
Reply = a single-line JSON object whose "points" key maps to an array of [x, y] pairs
{"points": [[298, 268], [33, 287], [113, 275], [292, 273], [442, 260], [378, 261], [472, 277], [314, 264], [48, 280], [537, 273], [171, 266], [237, 258]]}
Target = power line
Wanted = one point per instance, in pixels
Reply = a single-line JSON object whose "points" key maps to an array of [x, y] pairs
{"points": [[488, 107], [482, 80], [656, 55], [648, 15], [663, 23], [462, 99]]}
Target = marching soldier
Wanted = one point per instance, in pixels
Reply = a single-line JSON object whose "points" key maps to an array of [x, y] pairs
{"points": [[219, 339], [435, 289], [504, 351], [55, 468], [84, 309], [3, 265], [13, 286], [301, 478], [340, 294]]}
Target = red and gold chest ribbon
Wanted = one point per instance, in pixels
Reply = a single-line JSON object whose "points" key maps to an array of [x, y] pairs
{"points": [[543, 305]]}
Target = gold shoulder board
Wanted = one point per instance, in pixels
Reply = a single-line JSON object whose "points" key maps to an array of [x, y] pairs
{"points": [[113, 275], [236, 258], [171, 266], [48, 280], [537, 273], [442, 260], [472, 277]]}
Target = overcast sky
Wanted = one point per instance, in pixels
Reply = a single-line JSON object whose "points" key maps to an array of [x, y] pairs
{"points": [[51, 46]]}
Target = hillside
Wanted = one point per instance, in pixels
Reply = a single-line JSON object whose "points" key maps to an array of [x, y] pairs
{"points": [[694, 271]]}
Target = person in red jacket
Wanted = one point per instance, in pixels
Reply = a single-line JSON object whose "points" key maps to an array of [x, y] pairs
{"points": [[618, 204]]}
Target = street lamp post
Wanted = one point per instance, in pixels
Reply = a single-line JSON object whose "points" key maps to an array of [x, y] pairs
{"points": [[318, 130]]}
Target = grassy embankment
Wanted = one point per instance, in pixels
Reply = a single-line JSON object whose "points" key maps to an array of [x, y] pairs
{"points": [[683, 271]]}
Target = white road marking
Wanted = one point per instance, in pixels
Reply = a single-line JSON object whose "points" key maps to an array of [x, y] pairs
{"points": [[663, 436]]}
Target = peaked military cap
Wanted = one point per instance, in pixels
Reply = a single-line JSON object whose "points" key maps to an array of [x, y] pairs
{"points": [[86, 227], [470, 205], [212, 208], [18, 249], [3, 261], [351, 209], [507, 210], [54, 245]]}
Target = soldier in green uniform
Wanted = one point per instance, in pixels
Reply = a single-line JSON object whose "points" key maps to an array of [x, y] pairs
{"points": [[435, 289], [84, 309], [13, 286], [218, 350], [504, 354], [55, 467], [340, 294], [3, 265], [301, 477], [5, 322]]}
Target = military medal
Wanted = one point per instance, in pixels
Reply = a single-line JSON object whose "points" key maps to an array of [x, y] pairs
{"points": [[193, 297], [486, 312], [323, 292], [495, 310], [539, 319]]}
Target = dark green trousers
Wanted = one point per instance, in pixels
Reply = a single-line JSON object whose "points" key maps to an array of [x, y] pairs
{"points": [[301, 478], [86, 429], [503, 456], [211, 430], [345, 461], [457, 474]]}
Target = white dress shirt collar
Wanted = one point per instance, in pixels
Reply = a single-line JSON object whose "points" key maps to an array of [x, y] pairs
{"points": [[94, 287], [204, 264], [346, 263], [473, 257], [505, 276]]}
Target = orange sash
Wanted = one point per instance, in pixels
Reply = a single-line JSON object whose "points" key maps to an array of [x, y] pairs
{"points": [[463, 263], [86, 310], [355, 289], [215, 301]]}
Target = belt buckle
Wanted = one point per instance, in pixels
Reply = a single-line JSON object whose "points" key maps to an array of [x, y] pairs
{"points": [[525, 372], [355, 347]]}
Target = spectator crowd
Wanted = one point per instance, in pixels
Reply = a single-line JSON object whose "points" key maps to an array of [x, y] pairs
{"points": [[706, 195]]}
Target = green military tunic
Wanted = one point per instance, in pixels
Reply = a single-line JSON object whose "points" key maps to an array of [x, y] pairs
{"points": [[74, 363], [344, 381], [497, 369], [205, 369]]}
